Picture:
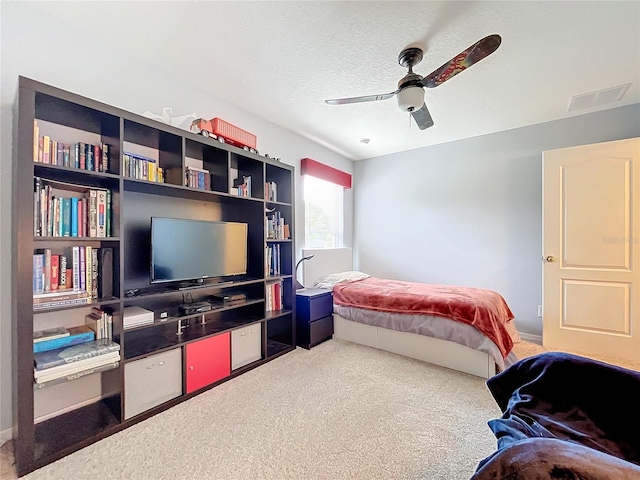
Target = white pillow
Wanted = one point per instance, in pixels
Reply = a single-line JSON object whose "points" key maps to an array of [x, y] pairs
{"points": [[333, 279]]}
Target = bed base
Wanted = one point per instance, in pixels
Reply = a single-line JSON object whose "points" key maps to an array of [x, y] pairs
{"points": [[428, 349]]}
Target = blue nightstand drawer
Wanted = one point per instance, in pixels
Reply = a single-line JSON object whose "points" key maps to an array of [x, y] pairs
{"points": [[313, 304]]}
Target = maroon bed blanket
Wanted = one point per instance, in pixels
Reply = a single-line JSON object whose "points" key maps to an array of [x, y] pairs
{"points": [[486, 310]]}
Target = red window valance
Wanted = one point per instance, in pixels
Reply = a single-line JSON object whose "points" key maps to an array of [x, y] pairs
{"points": [[316, 169]]}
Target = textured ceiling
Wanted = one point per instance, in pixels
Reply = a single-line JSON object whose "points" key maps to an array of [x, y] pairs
{"points": [[280, 60]]}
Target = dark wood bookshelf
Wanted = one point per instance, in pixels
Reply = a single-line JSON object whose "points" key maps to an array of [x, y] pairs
{"points": [[42, 440]]}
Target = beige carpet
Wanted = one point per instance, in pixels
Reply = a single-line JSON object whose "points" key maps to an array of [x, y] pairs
{"points": [[338, 411], [526, 349]]}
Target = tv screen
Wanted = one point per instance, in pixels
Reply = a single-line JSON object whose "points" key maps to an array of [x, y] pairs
{"points": [[183, 250]]}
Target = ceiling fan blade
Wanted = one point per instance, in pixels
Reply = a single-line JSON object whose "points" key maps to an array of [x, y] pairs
{"points": [[476, 52], [423, 117], [366, 98]]}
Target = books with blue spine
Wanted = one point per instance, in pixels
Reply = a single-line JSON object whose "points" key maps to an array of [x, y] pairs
{"points": [[74, 336], [74, 217]]}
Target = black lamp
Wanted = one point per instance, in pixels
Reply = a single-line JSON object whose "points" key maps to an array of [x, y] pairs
{"points": [[298, 284]]}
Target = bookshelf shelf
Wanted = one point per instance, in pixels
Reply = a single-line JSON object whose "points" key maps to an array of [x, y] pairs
{"points": [[54, 420], [175, 317], [93, 303], [165, 337], [271, 203], [44, 169], [76, 239]]}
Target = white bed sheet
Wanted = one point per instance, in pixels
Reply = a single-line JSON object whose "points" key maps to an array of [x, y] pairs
{"points": [[437, 327]]}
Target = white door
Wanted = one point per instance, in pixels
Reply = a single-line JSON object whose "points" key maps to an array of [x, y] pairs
{"points": [[591, 249]]}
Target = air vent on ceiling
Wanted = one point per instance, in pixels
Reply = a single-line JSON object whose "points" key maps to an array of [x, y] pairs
{"points": [[598, 98]]}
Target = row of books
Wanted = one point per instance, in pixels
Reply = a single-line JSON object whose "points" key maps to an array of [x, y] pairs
{"points": [[141, 168], [101, 322], [241, 187], [81, 155], [193, 177], [98, 325], [70, 213], [271, 192], [74, 276], [275, 296], [67, 363], [272, 260], [275, 227]]}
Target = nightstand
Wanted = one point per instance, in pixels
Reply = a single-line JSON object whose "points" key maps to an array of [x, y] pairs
{"points": [[314, 316]]}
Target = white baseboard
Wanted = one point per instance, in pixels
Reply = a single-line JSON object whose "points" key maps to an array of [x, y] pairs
{"points": [[6, 435], [529, 337]]}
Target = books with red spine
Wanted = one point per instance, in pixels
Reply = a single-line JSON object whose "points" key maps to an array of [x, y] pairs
{"points": [[55, 271]]}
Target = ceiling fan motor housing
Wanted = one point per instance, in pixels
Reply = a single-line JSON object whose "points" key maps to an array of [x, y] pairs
{"points": [[411, 94]]}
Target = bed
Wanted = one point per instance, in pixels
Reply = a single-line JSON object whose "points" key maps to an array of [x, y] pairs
{"points": [[564, 417], [430, 338]]}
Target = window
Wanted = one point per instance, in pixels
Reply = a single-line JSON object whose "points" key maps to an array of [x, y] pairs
{"points": [[323, 217]]}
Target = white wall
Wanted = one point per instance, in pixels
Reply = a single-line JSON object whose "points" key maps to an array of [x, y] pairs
{"points": [[39, 47], [470, 212]]}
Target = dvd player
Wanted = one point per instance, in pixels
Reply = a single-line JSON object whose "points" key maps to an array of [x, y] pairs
{"points": [[196, 307], [227, 297]]}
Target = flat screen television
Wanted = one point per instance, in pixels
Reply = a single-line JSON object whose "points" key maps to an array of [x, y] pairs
{"points": [[192, 250]]}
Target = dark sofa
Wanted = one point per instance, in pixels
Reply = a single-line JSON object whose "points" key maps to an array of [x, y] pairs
{"points": [[565, 417]]}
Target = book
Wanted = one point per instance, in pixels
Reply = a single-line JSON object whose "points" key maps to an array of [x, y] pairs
{"points": [[36, 133], [59, 295], [63, 273], [94, 273], [55, 271], [47, 269], [75, 265], [38, 273], [74, 336], [50, 334], [107, 220], [93, 213], [105, 158], [101, 207], [60, 303], [50, 380], [95, 321], [88, 283], [74, 217], [75, 367], [75, 353]]}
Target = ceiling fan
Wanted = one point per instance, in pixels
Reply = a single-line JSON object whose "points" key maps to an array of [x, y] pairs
{"points": [[411, 87]]}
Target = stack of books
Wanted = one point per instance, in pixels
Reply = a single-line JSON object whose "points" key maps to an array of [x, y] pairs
{"points": [[75, 361]]}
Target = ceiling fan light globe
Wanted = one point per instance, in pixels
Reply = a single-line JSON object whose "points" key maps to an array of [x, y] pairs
{"points": [[410, 99]]}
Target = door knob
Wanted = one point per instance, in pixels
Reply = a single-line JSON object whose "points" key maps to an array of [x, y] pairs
{"points": [[550, 259]]}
